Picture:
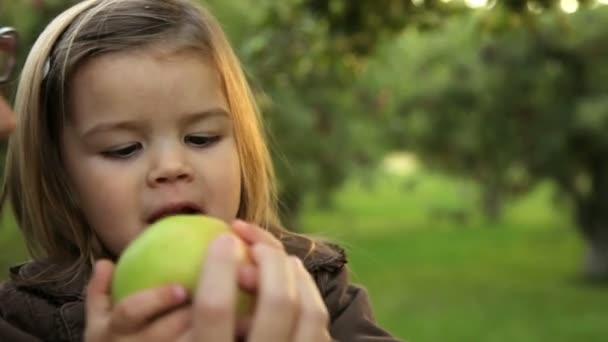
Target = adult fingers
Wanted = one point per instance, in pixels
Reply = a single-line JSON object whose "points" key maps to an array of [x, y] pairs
{"points": [[313, 318], [277, 302], [215, 298], [253, 234], [248, 277], [139, 309]]}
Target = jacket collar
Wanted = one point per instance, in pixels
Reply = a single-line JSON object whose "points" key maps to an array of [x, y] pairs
{"points": [[25, 276]]}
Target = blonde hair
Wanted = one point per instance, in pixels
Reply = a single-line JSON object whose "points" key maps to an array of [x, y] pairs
{"points": [[36, 182]]}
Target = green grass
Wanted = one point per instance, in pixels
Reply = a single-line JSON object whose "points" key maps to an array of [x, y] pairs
{"points": [[12, 248], [433, 279]]}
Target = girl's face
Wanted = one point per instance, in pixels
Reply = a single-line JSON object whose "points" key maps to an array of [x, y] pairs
{"points": [[149, 135]]}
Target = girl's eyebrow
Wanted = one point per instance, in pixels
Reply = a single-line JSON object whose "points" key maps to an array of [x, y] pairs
{"points": [[133, 124], [109, 126], [207, 114]]}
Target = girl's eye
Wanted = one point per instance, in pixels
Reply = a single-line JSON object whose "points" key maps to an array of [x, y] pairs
{"points": [[124, 151], [201, 140]]}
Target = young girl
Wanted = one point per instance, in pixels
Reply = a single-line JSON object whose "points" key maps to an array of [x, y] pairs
{"points": [[129, 111]]}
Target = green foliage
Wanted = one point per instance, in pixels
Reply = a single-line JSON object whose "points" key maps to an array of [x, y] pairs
{"points": [[357, 26], [29, 18], [319, 132], [510, 107], [477, 105], [311, 58], [12, 247]]}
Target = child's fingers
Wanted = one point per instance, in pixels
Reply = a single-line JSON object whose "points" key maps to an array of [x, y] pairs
{"points": [[98, 302], [137, 310], [253, 234], [313, 318], [277, 303], [169, 327], [215, 298]]}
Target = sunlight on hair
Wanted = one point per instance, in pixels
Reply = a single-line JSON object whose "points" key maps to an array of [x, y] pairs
{"points": [[569, 6]]}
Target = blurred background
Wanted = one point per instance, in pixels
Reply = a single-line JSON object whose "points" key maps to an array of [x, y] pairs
{"points": [[458, 150]]}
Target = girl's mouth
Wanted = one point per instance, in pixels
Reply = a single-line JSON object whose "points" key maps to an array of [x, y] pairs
{"points": [[174, 209]]}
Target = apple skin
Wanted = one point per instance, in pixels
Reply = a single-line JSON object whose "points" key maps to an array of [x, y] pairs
{"points": [[171, 251]]}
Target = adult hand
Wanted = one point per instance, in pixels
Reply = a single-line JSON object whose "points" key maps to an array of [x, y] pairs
{"points": [[289, 306], [7, 119]]}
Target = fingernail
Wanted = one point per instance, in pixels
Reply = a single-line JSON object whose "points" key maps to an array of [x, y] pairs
{"points": [[241, 224], [179, 292], [97, 263]]}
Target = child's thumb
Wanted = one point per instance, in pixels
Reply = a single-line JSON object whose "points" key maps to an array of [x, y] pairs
{"points": [[98, 301]]}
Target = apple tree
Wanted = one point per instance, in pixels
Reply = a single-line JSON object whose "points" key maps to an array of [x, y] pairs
{"points": [[513, 107]]}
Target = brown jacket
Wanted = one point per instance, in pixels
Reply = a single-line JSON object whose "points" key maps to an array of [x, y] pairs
{"points": [[56, 313]]}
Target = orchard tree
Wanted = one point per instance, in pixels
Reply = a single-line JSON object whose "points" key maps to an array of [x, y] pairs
{"points": [[305, 77], [307, 57], [512, 107], [509, 95]]}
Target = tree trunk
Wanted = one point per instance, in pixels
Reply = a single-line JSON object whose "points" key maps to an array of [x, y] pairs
{"points": [[596, 261], [492, 202], [593, 224], [592, 215]]}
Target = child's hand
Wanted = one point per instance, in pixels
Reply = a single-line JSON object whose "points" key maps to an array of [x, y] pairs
{"points": [[289, 306], [150, 315]]}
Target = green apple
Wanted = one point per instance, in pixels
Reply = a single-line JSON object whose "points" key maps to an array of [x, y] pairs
{"points": [[171, 251]]}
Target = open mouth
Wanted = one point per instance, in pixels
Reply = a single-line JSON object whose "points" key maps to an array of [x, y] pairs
{"points": [[177, 209]]}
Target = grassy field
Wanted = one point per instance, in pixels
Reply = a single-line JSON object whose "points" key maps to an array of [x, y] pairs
{"points": [[12, 249], [437, 272]]}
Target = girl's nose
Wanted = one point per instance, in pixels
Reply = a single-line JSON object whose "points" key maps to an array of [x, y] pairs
{"points": [[170, 168]]}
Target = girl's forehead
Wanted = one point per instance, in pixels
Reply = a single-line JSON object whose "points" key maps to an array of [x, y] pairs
{"points": [[145, 66], [146, 82], [157, 54]]}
